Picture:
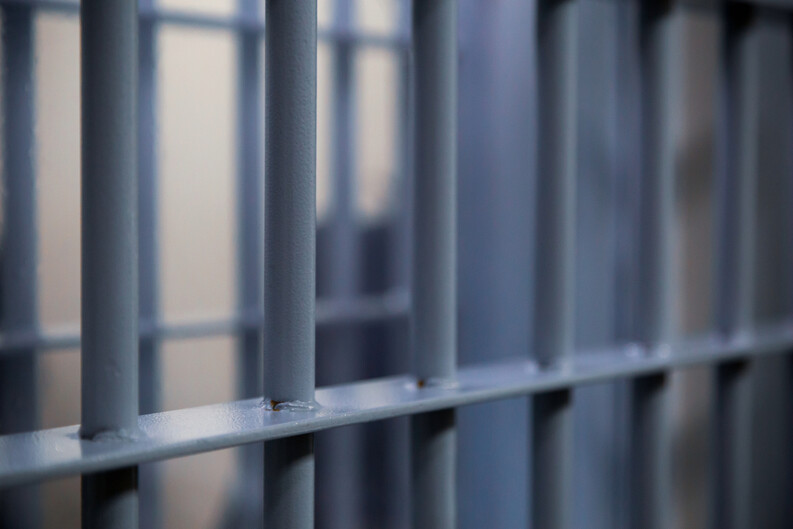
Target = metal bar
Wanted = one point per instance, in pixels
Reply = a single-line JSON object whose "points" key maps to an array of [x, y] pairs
{"points": [[236, 23], [732, 439], [734, 304], [18, 306], [649, 451], [329, 313], [552, 414], [109, 34], [149, 372], [434, 290], [650, 441], [244, 507], [290, 253], [434, 259], [627, 190], [44, 454], [339, 452]]}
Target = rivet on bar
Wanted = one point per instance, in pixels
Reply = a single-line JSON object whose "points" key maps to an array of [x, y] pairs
{"points": [[109, 32], [552, 413], [289, 253], [650, 441], [434, 324], [734, 301]]}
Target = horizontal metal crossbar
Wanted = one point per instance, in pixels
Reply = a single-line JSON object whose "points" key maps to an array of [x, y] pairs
{"points": [[365, 309], [224, 22], [44, 454]]}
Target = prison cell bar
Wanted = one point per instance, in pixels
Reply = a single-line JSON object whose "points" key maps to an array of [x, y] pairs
{"points": [[626, 217], [243, 507], [109, 33], [150, 379], [290, 253], [434, 291], [734, 303], [650, 442], [552, 413], [338, 451], [18, 306], [44, 454]]}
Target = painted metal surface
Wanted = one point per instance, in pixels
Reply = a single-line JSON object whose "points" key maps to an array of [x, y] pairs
{"points": [[109, 362], [290, 253], [109, 218], [149, 365], [33, 456], [731, 352], [553, 339], [243, 508], [650, 440], [19, 409], [434, 272], [341, 470], [737, 195]]}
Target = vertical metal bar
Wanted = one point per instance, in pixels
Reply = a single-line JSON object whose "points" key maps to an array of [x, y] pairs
{"points": [[650, 444], [246, 505], [18, 303], [649, 453], [250, 181], [341, 503], [627, 232], [148, 255], [400, 253], [290, 251], [734, 303], [109, 32], [396, 448], [343, 233], [434, 438], [552, 415]]}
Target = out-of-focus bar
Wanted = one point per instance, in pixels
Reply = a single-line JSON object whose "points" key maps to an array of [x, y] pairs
{"points": [[150, 379], [109, 34], [339, 461], [552, 413], [290, 253], [244, 508], [734, 297], [434, 324], [18, 307], [650, 440]]}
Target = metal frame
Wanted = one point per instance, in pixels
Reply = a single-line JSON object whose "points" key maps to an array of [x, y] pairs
{"points": [[44, 454], [284, 408]]}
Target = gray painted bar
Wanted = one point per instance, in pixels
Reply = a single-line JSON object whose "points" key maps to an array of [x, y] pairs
{"points": [[434, 290], [734, 298], [109, 33], [290, 253], [18, 265], [149, 370], [650, 440], [554, 308]]}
